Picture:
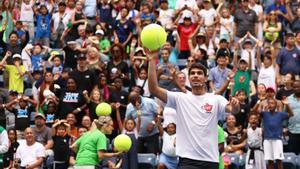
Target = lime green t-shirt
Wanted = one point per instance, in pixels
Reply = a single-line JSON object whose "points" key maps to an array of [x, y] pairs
{"points": [[221, 139], [104, 44], [88, 146], [16, 81]]}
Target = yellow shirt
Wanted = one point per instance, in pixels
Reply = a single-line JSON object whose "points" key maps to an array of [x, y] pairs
{"points": [[16, 81]]}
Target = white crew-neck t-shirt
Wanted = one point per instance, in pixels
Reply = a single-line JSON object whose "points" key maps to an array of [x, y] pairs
{"points": [[197, 118]]}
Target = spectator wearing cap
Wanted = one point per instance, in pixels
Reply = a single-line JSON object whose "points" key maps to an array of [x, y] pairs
{"points": [[123, 28], [60, 20], [245, 20], [293, 124], [288, 59], [219, 74], [85, 79], [15, 72], [104, 43], [186, 30], [42, 133]]}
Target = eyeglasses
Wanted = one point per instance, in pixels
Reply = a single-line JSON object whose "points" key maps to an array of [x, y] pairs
{"points": [[190, 60]]}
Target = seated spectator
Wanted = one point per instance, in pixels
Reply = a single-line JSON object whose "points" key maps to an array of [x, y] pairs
{"points": [[234, 139], [9, 156], [61, 144], [35, 158], [42, 133], [74, 131]]}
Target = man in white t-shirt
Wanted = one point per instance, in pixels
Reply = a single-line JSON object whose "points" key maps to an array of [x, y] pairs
{"points": [[31, 153], [197, 117]]}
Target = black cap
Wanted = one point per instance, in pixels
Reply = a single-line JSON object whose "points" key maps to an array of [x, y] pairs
{"points": [[223, 41], [13, 93], [222, 53]]}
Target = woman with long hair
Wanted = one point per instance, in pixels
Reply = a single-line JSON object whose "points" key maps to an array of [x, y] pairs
{"points": [[272, 28], [7, 7], [91, 147]]}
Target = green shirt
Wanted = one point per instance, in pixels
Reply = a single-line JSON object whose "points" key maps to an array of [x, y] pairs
{"points": [[241, 81], [88, 146], [221, 139], [104, 44], [1, 155]]}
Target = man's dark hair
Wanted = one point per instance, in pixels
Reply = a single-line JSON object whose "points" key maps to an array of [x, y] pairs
{"points": [[289, 35], [198, 66]]}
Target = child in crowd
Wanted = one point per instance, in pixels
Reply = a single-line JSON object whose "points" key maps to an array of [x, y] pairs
{"points": [[50, 112], [130, 128], [15, 72], [9, 156], [254, 139], [241, 117], [21, 32], [226, 25], [273, 132], [61, 144], [167, 158], [38, 55], [55, 61]]}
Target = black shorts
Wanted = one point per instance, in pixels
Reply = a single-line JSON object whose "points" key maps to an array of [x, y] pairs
{"points": [[185, 163]]}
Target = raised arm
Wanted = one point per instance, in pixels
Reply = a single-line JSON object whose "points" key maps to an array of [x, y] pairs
{"points": [[153, 85]]}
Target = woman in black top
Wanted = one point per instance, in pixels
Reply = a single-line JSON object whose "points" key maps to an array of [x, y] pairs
{"points": [[9, 156]]}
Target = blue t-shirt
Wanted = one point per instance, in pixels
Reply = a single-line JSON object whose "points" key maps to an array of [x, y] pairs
{"points": [[43, 26], [36, 62], [289, 61], [123, 29], [273, 124], [275, 7]]}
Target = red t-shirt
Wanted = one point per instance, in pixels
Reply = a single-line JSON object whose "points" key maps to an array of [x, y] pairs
{"points": [[184, 33]]}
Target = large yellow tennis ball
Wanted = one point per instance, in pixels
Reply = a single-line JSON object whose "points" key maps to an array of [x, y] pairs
{"points": [[122, 142], [153, 36], [103, 109]]}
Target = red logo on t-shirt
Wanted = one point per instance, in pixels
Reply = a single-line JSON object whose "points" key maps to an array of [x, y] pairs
{"points": [[207, 107]]}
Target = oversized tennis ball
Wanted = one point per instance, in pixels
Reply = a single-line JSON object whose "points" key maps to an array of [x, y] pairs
{"points": [[122, 142], [153, 36], [103, 109]]}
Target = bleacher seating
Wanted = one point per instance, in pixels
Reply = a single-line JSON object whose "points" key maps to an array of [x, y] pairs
{"points": [[147, 161]]}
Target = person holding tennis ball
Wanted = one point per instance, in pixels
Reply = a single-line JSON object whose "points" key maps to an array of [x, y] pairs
{"points": [[91, 147]]}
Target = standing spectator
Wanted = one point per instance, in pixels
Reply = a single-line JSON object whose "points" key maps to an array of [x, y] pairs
{"points": [[296, 22], [85, 79], [166, 15], [245, 21], [226, 25], [293, 125], [272, 120], [6, 12], [282, 10], [123, 28], [258, 9], [4, 144], [78, 18], [219, 74], [71, 101], [148, 134], [117, 67], [164, 75], [60, 20], [32, 153], [9, 156], [267, 69], [254, 138], [90, 11], [288, 59], [27, 17], [208, 14], [43, 25], [287, 89], [105, 13]]}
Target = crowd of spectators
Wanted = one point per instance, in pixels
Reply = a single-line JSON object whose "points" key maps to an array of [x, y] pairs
{"points": [[59, 59]]}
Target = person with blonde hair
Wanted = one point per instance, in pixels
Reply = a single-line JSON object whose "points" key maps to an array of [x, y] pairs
{"points": [[91, 147]]}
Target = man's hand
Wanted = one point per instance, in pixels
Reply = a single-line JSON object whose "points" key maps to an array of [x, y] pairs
{"points": [[151, 54]]}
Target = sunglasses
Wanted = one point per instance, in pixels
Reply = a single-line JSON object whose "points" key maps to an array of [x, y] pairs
{"points": [[191, 60]]}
